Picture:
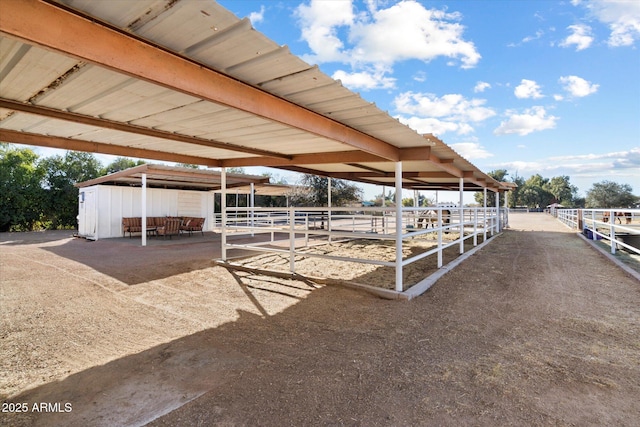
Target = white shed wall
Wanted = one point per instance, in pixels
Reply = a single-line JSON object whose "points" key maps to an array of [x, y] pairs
{"points": [[114, 202]]}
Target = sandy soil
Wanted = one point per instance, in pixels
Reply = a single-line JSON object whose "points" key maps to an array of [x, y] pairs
{"points": [[537, 328]]}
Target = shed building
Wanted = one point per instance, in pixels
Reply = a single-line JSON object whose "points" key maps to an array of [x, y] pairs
{"points": [[170, 191]]}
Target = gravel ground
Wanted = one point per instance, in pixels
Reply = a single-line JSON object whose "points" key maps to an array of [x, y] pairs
{"points": [[536, 328]]}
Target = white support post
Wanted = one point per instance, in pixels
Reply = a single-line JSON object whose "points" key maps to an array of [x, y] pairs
{"points": [[461, 205], [292, 240], [415, 205], [143, 203], [329, 206], [498, 210], [398, 179], [475, 227], [484, 216], [612, 231], [252, 203], [223, 213], [440, 237]]}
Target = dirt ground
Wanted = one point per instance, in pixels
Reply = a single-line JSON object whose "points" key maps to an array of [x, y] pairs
{"points": [[537, 328]]}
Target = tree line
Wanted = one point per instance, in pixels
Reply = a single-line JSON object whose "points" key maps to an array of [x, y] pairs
{"points": [[39, 193], [539, 192]]}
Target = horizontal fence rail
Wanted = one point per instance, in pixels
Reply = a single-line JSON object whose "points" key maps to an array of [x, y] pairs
{"points": [[619, 228], [293, 230]]}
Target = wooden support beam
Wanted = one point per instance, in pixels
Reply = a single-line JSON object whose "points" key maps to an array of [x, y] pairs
{"points": [[415, 153], [54, 28], [27, 138], [130, 128], [305, 159]]}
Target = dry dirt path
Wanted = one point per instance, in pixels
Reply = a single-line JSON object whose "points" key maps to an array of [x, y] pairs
{"points": [[535, 329]]}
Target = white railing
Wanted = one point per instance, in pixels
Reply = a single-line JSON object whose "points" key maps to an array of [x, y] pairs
{"points": [[569, 217], [291, 230], [620, 228]]}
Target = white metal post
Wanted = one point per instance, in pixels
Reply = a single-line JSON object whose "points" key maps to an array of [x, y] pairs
{"points": [[144, 209], [329, 206], [484, 216], [612, 231], [498, 209], [223, 212], [461, 215], [439, 210], [475, 227], [398, 179], [292, 240], [252, 204]]}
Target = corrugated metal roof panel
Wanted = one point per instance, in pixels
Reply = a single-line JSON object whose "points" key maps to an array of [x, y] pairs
{"points": [[28, 70], [206, 33]]}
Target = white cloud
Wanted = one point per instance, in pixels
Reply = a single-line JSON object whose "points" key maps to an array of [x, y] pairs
{"points": [[373, 35], [320, 22], [437, 115], [365, 80], [623, 164], [581, 37], [435, 126], [528, 89], [420, 76], [615, 159], [622, 17], [538, 35], [256, 17], [481, 87], [577, 86], [532, 120], [471, 150]]}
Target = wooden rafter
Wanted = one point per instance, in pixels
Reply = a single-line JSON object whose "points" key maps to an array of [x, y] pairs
{"points": [[130, 128], [54, 28], [27, 138]]}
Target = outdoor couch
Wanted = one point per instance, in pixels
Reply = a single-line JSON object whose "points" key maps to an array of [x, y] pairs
{"points": [[185, 225], [191, 224], [134, 224], [170, 227]]}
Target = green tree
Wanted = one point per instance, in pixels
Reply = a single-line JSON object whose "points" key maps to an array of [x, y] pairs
{"points": [[533, 193], [514, 197], [122, 163], [499, 175], [608, 194], [21, 194], [314, 192], [61, 196], [562, 190]]}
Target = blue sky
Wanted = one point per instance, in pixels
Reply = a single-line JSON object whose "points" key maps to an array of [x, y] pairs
{"points": [[548, 87], [530, 86]]}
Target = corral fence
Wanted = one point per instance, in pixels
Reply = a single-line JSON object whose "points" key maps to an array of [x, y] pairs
{"points": [[291, 230], [619, 228]]}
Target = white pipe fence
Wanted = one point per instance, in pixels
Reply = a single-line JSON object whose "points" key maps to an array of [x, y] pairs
{"points": [[305, 227], [620, 228]]}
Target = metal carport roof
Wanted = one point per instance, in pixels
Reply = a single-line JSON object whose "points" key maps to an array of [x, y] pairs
{"points": [[187, 81], [162, 176]]}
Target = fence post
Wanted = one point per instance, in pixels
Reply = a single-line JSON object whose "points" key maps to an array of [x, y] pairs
{"points": [[292, 240], [612, 231], [439, 237], [579, 220], [475, 227]]}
